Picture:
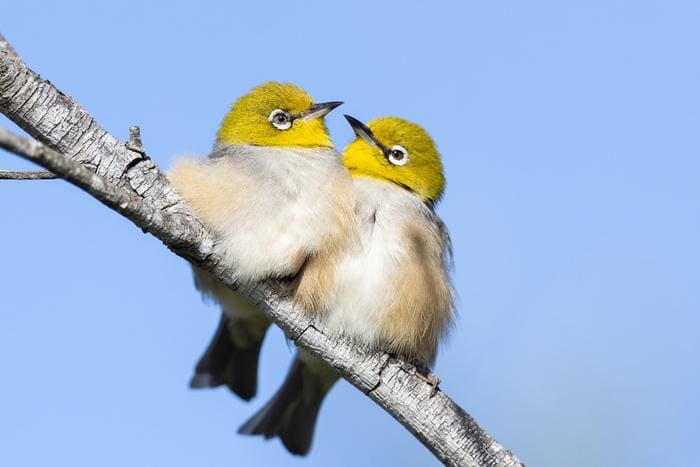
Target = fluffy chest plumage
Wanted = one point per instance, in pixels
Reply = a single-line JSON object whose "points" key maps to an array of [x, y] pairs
{"points": [[369, 279], [268, 207]]}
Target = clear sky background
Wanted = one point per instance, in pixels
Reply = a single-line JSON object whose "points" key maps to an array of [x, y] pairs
{"points": [[570, 135]]}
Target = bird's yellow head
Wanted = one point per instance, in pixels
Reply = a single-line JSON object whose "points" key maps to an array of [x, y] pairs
{"points": [[277, 114], [398, 151]]}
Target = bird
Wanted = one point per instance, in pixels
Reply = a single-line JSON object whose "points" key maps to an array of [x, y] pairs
{"points": [[391, 288], [277, 199]]}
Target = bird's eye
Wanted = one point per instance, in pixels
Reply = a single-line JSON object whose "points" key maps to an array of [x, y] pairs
{"points": [[280, 119], [397, 155]]}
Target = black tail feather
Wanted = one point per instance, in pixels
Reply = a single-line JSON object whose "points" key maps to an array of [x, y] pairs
{"points": [[225, 363], [292, 412]]}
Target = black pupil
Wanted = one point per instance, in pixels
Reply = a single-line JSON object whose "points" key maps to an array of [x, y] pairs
{"points": [[398, 155], [281, 118]]}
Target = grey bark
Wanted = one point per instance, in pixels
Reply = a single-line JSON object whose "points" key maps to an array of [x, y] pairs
{"points": [[71, 144], [17, 175]]}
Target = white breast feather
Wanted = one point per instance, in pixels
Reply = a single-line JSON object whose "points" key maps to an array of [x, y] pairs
{"points": [[271, 204], [362, 289]]}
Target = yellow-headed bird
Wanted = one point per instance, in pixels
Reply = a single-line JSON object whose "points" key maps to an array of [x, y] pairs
{"points": [[391, 289], [276, 197]]}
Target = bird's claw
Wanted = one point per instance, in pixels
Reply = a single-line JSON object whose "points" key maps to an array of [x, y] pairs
{"points": [[432, 379]]}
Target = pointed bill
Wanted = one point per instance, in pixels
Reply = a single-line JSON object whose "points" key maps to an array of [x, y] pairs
{"points": [[362, 131], [319, 110]]}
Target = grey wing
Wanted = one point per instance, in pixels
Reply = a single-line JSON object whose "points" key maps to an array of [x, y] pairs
{"points": [[445, 241]]}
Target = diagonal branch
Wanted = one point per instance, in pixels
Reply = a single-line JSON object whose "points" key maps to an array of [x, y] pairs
{"points": [[21, 147], [19, 175], [121, 176]]}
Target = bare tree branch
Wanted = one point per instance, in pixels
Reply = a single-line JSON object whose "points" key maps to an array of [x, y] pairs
{"points": [[125, 179], [21, 146], [18, 175]]}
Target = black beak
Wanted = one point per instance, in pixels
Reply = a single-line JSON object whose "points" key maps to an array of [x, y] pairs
{"points": [[362, 131], [319, 110]]}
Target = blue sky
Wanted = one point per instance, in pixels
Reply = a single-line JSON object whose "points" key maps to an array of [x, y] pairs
{"points": [[569, 134]]}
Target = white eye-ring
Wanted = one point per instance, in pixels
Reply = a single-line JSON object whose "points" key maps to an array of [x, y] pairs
{"points": [[280, 119], [397, 155]]}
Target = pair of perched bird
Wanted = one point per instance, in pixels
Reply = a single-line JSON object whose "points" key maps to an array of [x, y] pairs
{"points": [[356, 237]]}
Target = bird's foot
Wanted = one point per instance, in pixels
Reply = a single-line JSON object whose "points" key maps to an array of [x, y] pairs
{"points": [[430, 378]]}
